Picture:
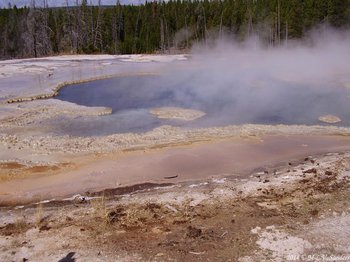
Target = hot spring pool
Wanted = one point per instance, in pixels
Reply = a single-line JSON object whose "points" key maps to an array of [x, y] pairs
{"points": [[266, 101]]}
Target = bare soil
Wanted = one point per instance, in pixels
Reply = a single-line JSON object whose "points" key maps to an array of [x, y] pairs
{"points": [[15, 171], [231, 157], [268, 217]]}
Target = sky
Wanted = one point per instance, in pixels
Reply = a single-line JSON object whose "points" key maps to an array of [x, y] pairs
{"points": [[52, 3]]}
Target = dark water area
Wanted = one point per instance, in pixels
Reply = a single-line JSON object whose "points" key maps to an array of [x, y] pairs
{"points": [[269, 101]]}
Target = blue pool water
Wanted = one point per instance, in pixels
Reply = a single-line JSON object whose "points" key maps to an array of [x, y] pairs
{"points": [[225, 103]]}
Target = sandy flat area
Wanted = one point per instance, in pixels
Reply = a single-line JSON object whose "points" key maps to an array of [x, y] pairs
{"points": [[237, 158]]}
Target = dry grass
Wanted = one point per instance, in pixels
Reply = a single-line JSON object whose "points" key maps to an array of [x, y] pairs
{"points": [[39, 214], [20, 225], [100, 210]]}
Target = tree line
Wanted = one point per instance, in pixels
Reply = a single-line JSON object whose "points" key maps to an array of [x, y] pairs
{"points": [[160, 27]]}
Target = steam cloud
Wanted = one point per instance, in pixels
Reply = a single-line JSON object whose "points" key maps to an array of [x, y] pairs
{"points": [[238, 83], [251, 83]]}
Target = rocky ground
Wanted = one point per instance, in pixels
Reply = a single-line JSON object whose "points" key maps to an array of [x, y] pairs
{"points": [[298, 212]]}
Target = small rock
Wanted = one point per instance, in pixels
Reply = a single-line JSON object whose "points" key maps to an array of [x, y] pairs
{"points": [[328, 173], [310, 171], [152, 206], [171, 208], [314, 212], [44, 228], [115, 215], [255, 230], [194, 232]]}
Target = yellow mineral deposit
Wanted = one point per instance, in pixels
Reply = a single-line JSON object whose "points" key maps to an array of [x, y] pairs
{"points": [[330, 119]]}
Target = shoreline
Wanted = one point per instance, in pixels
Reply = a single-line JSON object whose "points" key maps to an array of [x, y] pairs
{"points": [[163, 136], [58, 87], [42, 78], [36, 115]]}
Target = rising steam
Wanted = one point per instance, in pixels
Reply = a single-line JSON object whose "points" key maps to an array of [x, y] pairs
{"points": [[238, 83]]}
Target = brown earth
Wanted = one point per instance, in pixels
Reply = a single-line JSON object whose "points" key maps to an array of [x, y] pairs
{"points": [[234, 157], [13, 170], [264, 218]]}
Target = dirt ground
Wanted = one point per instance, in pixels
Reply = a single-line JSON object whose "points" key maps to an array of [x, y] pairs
{"points": [[297, 212], [27, 183]]}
